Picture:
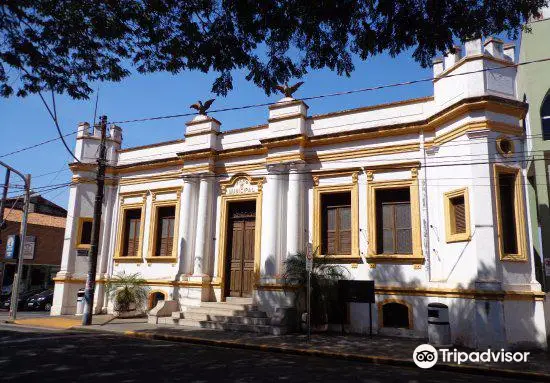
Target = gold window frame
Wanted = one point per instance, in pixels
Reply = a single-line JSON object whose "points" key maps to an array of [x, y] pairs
{"points": [[124, 207], [153, 225], [79, 245], [318, 192], [224, 220], [450, 236], [519, 211], [400, 301], [372, 187]]}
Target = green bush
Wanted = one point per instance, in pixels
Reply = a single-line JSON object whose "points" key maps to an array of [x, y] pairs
{"points": [[128, 291], [324, 284]]}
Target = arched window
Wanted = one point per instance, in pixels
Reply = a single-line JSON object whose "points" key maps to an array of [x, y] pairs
{"points": [[545, 117], [395, 315], [155, 297]]}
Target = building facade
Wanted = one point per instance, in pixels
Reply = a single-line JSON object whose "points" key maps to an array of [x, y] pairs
{"points": [[425, 196], [45, 238], [534, 88]]}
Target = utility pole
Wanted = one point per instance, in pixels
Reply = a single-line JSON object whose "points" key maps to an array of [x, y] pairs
{"points": [[96, 223], [22, 235]]}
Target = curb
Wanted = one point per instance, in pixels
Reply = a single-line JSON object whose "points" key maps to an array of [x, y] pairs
{"points": [[380, 360]]}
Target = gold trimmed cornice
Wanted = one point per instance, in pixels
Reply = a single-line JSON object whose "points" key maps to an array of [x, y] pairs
{"points": [[151, 178], [239, 168], [256, 150], [277, 142], [366, 152], [300, 157], [431, 124], [197, 155], [86, 180]]}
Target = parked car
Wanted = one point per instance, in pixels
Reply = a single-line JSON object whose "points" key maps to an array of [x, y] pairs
{"points": [[22, 303], [41, 301]]}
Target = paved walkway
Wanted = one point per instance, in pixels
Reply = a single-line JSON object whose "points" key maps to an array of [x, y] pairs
{"points": [[376, 349]]}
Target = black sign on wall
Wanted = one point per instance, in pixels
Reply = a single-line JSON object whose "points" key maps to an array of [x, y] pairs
{"points": [[356, 291]]}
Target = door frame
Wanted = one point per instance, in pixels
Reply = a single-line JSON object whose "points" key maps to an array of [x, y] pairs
{"points": [[239, 188]]}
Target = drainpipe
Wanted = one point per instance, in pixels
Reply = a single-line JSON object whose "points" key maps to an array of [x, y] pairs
{"points": [[425, 205]]}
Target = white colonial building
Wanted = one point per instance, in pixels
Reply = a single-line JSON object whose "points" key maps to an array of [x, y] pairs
{"points": [[423, 196]]}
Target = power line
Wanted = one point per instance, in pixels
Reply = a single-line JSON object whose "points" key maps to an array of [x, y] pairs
{"points": [[38, 144], [511, 65], [342, 93]]}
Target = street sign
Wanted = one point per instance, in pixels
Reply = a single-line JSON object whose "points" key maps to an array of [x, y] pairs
{"points": [[309, 259], [12, 247], [28, 250]]}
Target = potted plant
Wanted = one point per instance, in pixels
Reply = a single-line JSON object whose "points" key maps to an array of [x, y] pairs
{"points": [[129, 293], [324, 283]]}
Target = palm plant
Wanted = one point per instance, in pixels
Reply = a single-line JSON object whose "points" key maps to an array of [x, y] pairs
{"points": [[324, 281], [129, 291]]}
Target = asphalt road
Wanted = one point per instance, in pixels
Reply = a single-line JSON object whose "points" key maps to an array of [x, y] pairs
{"points": [[29, 355]]}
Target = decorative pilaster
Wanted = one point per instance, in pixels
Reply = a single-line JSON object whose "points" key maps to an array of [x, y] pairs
{"points": [[271, 222], [187, 226], [489, 314], [203, 238], [295, 209]]}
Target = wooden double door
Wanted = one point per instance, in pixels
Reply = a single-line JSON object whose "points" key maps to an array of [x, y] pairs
{"points": [[240, 249]]}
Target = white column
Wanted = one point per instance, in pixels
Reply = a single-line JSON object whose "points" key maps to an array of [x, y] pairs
{"points": [[202, 238], [68, 255], [295, 210], [270, 224], [187, 226], [104, 247]]}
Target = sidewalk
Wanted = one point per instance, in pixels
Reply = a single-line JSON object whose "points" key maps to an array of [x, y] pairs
{"points": [[378, 349]]}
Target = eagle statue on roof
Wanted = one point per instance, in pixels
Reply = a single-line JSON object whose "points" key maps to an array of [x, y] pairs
{"points": [[202, 108], [288, 90]]}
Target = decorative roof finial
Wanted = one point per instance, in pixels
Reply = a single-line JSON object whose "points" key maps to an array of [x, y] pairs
{"points": [[202, 108]]}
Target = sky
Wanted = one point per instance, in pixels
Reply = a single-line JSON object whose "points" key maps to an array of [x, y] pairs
{"points": [[26, 122]]}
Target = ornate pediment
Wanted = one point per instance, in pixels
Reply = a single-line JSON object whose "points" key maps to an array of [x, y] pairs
{"points": [[242, 184]]}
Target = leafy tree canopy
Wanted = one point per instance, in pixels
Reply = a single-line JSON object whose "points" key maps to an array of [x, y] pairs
{"points": [[65, 45]]}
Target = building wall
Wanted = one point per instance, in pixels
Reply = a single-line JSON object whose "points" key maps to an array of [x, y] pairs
{"points": [[435, 145], [49, 232], [533, 85]]}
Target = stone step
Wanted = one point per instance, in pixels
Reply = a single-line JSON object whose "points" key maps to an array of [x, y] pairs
{"points": [[226, 319], [216, 311], [228, 306], [239, 300], [263, 329]]}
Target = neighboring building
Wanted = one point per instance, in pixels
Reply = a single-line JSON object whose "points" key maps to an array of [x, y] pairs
{"points": [[425, 196], [534, 88], [46, 228]]}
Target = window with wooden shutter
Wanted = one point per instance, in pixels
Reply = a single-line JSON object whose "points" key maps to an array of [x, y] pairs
{"points": [[457, 215], [336, 224], [84, 234], [394, 221], [165, 231], [132, 230], [510, 213], [507, 184]]}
